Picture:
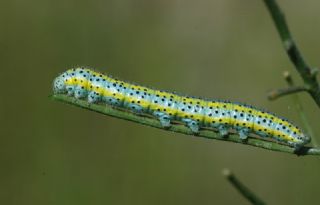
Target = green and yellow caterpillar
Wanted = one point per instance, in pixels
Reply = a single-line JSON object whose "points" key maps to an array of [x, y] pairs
{"points": [[195, 113]]}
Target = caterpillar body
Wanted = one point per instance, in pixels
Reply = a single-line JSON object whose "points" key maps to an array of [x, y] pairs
{"points": [[195, 113]]}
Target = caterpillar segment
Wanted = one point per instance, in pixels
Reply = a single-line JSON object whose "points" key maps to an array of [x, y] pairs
{"points": [[195, 113], [164, 106], [217, 115], [114, 92]]}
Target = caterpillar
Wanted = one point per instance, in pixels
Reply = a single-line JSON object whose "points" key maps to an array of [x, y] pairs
{"points": [[193, 112]]}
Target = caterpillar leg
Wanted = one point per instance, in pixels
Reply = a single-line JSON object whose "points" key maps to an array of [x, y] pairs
{"points": [[164, 119], [93, 97], [300, 149], [70, 90], [192, 124], [134, 107], [80, 92], [243, 134], [223, 130]]}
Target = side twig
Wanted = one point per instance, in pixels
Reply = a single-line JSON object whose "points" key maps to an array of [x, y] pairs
{"points": [[244, 191], [275, 94], [307, 73], [210, 134]]}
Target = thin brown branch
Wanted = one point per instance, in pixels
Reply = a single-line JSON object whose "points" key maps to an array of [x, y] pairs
{"points": [[275, 94]]}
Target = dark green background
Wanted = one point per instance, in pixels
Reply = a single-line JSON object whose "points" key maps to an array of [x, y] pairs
{"points": [[52, 153]]}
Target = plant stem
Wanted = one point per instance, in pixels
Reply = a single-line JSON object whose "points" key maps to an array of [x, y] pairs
{"points": [[179, 128], [307, 73], [275, 94], [244, 191]]}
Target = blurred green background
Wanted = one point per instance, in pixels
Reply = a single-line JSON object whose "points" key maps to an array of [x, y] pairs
{"points": [[52, 153]]}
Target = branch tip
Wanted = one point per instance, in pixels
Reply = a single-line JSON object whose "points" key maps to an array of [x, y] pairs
{"points": [[243, 190], [226, 172], [275, 94]]}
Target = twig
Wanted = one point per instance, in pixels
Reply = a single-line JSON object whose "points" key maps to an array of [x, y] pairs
{"points": [[108, 110], [300, 109], [307, 73], [248, 194], [287, 76], [275, 94]]}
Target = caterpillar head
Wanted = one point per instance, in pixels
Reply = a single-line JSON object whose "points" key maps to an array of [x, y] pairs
{"points": [[58, 85], [65, 83]]}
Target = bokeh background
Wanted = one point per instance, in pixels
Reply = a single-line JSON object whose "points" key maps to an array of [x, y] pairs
{"points": [[52, 153]]}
